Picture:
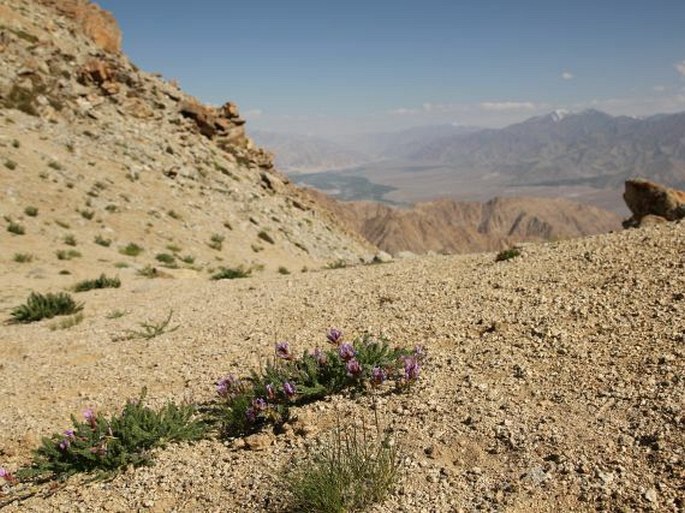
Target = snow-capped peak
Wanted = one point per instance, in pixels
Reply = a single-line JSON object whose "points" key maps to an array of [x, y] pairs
{"points": [[558, 115]]}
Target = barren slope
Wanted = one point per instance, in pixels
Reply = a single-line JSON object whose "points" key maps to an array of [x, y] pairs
{"points": [[554, 381], [449, 226]]}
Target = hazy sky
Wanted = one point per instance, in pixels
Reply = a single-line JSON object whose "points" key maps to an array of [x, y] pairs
{"points": [[321, 66]]}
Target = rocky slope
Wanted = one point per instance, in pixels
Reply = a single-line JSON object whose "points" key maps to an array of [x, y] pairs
{"points": [[554, 381], [448, 226], [96, 154]]}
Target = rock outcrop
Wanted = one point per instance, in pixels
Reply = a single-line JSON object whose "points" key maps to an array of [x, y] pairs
{"points": [[651, 203], [99, 25]]}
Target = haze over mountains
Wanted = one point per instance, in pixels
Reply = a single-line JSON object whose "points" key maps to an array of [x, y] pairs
{"points": [[584, 156]]}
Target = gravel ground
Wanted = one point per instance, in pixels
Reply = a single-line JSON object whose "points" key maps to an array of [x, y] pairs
{"points": [[554, 381]]}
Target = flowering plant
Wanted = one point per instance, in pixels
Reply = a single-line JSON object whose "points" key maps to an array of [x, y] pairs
{"points": [[247, 404]]}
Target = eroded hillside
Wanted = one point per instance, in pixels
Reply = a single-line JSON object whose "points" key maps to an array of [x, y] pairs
{"points": [[96, 154]]}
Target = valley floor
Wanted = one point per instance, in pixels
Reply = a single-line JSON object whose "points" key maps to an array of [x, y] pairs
{"points": [[554, 381]]}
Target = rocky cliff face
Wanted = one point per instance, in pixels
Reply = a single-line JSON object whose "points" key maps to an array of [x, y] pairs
{"points": [[96, 23], [102, 151], [462, 227]]}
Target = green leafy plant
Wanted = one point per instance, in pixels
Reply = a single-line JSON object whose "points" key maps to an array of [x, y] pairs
{"points": [[247, 404], [15, 228], [150, 330], [508, 254], [131, 249], [31, 211], [231, 273], [166, 259], [188, 259], [216, 241], [283, 270], [68, 322], [101, 241], [102, 444], [337, 264], [351, 470], [102, 282], [67, 254], [39, 306], [174, 215], [55, 165], [10, 164], [148, 271], [70, 240], [87, 214], [23, 258]]}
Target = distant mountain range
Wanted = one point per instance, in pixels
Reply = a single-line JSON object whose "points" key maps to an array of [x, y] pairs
{"points": [[586, 156]]}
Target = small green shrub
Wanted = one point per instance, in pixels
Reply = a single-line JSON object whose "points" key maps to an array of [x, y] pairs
{"points": [[68, 322], [266, 237], [106, 444], [231, 273], [132, 249], [16, 143], [188, 259], [23, 258], [508, 254], [151, 330], [174, 215], [15, 228], [101, 241], [87, 214], [31, 211], [283, 270], [55, 165], [39, 306], [352, 470], [11, 165], [111, 208], [70, 240], [63, 254], [102, 282], [338, 264], [148, 271], [216, 241], [166, 259]]}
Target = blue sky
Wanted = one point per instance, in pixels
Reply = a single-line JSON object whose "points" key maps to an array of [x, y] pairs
{"points": [[313, 66]]}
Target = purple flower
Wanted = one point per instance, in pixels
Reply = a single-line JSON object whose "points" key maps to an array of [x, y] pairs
{"points": [[226, 386], [259, 404], [346, 351], [411, 368], [289, 389], [4, 474], [64, 444], [270, 392], [251, 414], [90, 417], [320, 356], [283, 351], [353, 368], [378, 376], [334, 336], [419, 352]]}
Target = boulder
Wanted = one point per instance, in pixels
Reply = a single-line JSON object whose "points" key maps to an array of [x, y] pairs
{"points": [[648, 201]]}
